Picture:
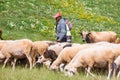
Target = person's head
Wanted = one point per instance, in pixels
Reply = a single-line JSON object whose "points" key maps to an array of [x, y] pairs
{"points": [[58, 16]]}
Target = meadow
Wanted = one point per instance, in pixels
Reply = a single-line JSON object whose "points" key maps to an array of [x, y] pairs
{"points": [[43, 73], [33, 19]]}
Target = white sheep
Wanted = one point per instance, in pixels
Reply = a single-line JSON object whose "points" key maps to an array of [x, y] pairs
{"points": [[17, 49], [90, 57], [52, 52], [117, 65], [68, 53], [2, 42]]}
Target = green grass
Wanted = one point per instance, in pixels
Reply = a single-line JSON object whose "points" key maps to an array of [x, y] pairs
{"points": [[43, 73], [33, 19]]}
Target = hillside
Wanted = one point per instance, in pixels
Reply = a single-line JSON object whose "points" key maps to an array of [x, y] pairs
{"points": [[33, 18]]}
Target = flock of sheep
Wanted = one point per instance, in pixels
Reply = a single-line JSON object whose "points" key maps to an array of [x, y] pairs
{"points": [[102, 50]]}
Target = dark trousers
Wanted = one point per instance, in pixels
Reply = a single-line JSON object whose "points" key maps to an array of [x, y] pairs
{"points": [[63, 40], [69, 39]]}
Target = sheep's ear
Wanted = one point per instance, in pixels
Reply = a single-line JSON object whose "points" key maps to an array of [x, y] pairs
{"points": [[89, 33]]}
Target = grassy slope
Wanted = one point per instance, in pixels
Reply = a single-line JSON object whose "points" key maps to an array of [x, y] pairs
{"points": [[33, 19]]}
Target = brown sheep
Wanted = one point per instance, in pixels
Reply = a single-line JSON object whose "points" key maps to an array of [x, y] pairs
{"points": [[39, 47], [90, 57], [17, 49], [117, 40], [93, 37]]}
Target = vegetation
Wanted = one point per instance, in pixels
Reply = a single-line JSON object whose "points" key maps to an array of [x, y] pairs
{"points": [[43, 73], [33, 19]]}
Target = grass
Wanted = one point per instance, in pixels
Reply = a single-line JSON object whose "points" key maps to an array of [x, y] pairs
{"points": [[33, 19], [43, 73]]}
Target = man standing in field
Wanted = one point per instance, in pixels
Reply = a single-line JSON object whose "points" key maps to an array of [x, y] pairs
{"points": [[60, 29]]}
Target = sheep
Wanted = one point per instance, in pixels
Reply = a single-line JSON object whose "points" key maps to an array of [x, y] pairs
{"points": [[17, 49], [38, 48], [49, 42], [3, 42], [90, 57], [52, 52], [83, 35], [2, 57], [68, 53], [93, 37], [117, 41], [65, 56], [116, 66]]}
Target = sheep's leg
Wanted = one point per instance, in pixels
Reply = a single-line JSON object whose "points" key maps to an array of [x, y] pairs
{"points": [[88, 72], [109, 70], [26, 65], [34, 63], [62, 67], [114, 69], [56, 63], [32, 54], [5, 62], [118, 74], [30, 61], [14, 62]]}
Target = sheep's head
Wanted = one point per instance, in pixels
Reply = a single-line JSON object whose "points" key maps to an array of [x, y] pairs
{"points": [[2, 56], [41, 59], [54, 67], [70, 71], [83, 35], [90, 38]]}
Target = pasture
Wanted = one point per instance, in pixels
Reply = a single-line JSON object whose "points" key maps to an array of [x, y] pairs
{"points": [[43, 73], [33, 19]]}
